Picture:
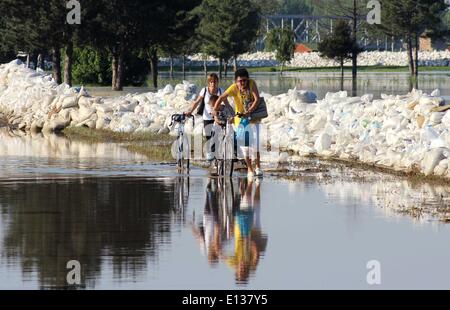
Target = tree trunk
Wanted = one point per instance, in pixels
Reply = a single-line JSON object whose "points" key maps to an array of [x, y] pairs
{"points": [[416, 61], [68, 60], [35, 61], [57, 65], [410, 61], [171, 65], [342, 74], [40, 61], [183, 68], [120, 70], [281, 68], [114, 70], [205, 69], [355, 52], [235, 63], [154, 66], [220, 68], [225, 67]]}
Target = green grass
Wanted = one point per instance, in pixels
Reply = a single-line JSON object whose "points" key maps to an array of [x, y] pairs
{"points": [[102, 135], [155, 147]]}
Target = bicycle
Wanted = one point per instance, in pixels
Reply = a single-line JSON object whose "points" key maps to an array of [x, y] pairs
{"points": [[183, 150], [225, 162]]}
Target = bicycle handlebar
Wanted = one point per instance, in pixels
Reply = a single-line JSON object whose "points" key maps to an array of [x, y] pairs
{"points": [[181, 118]]}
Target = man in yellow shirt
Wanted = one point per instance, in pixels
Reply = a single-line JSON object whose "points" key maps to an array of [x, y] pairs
{"points": [[246, 99]]}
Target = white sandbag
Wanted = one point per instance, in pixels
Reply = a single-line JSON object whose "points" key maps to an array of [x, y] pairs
{"points": [[431, 160], [436, 117], [446, 119], [168, 90], [428, 134], [323, 142], [441, 168], [367, 98], [436, 93]]}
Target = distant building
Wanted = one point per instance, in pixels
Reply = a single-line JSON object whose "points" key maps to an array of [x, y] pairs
{"points": [[302, 48], [427, 44]]}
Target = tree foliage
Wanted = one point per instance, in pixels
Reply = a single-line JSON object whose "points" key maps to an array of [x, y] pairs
{"points": [[227, 27], [410, 19], [282, 42], [338, 46]]}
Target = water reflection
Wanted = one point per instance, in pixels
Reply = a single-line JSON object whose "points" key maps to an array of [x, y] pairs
{"points": [[232, 219], [18, 143], [25, 156], [395, 195], [124, 223]]}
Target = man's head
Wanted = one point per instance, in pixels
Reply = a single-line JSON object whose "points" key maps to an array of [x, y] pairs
{"points": [[241, 73], [241, 76]]}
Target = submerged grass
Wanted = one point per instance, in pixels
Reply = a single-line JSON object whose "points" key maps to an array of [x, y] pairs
{"points": [[104, 135], [155, 147]]}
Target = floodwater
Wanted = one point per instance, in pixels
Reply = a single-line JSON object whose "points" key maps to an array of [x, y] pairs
{"points": [[135, 224], [318, 82]]}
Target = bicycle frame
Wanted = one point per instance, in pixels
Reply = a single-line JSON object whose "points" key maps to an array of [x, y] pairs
{"points": [[181, 119], [227, 129]]}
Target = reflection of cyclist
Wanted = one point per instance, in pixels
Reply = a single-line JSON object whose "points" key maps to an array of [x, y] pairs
{"points": [[211, 232], [249, 242]]}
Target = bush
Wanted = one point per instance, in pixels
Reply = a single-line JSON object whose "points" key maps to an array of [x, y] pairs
{"points": [[92, 66], [6, 57]]}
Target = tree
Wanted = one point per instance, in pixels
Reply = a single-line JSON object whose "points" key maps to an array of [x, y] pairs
{"points": [[181, 37], [338, 46], [40, 26], [282, 42], [120, 26], [267, 7], [227, 27], [355, 11], [300, 7], [410, 19], [243, 40]]}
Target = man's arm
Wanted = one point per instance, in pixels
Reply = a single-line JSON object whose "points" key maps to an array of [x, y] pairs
{"points": [[219, 101]]}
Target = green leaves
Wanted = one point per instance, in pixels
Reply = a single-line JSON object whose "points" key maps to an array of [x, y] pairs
{"points": [[338, 45], [282, 42], [227, 27]]}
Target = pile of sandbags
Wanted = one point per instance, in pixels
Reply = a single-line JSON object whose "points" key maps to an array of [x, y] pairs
{"points": [[33, 101], [313, 59], [405, 133], [373, 58]]}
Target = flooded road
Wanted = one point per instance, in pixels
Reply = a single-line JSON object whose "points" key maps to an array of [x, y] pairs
{"points": [[135, 224]]}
